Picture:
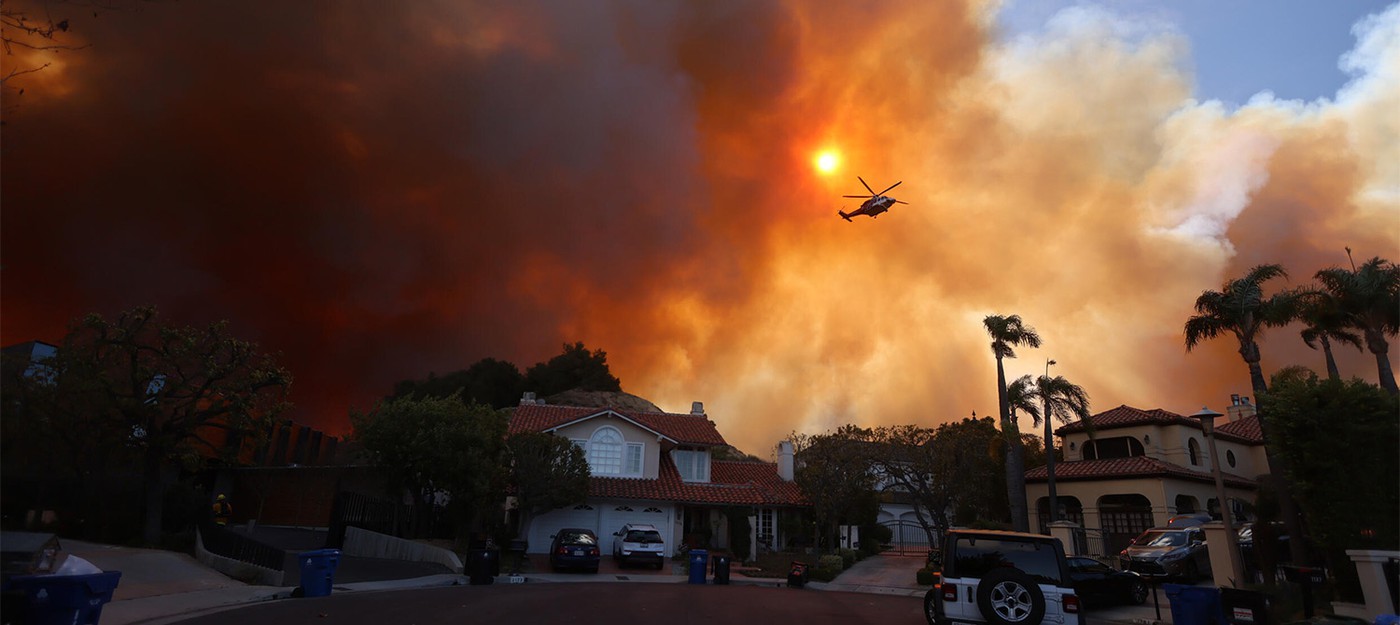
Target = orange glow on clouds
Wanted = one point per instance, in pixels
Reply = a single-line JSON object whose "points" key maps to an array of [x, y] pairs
{"points": [[648, 178]]}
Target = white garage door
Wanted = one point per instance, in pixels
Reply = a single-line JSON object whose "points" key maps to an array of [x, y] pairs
{"points": [[584, 516], [617, 514]]}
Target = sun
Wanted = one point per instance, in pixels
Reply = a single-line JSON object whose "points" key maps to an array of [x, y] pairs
{"points": [[827, 161]]}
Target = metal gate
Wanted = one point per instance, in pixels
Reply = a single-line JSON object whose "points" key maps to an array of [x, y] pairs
{"points": [[907, 538]]}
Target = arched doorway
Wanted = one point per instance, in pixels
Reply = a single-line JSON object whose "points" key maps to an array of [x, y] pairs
{"points": [[1070, 510], [1122, 518], [1186, 504]]}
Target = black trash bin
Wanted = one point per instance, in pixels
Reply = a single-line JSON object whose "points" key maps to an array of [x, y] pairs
{"points": [[797, 575], [1245, 607], [483, 565], [720, 563]]}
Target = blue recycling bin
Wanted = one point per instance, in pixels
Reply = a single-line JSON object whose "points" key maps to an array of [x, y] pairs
{"points": [[65, 599], [318, 571], [699, 559], [1195, 605]]}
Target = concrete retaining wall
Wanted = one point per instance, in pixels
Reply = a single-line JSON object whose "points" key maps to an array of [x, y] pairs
{"points": [[242, 571], [367, 544]]}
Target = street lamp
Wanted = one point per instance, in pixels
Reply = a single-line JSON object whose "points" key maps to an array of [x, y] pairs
{"points": [[1049, 444], [1207, 418]]}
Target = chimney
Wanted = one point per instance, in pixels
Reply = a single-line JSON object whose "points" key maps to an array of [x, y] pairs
{"points": [[1239, 408], [697, 408], [527, 399], [785, 460]]}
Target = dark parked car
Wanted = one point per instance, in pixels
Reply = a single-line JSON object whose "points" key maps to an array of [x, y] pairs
{"points": [[574, 548], [1099, 584], [1168, 552]]}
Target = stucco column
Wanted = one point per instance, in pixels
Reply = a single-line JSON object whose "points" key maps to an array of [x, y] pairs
{"points": [[1373, 585], [1218, 546], [1064, 530]]}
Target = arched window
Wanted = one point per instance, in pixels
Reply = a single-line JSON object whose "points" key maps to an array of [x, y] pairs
{"points": [[1119, 447], [605, 451], [1193, 449]]}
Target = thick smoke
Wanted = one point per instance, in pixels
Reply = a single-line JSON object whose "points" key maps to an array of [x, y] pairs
{"points": [[380, 191]]}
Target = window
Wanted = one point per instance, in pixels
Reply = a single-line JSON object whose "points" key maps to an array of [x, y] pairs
{"points": [[693, 464], [1230, 457], [1120, 447], [633, 466], [1193, 450], [605, 452]]}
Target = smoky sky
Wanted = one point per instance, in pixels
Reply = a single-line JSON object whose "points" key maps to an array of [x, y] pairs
{"points": [[378, 191]]}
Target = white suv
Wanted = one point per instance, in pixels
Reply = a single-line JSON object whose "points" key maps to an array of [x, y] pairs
{"points": [[1002, 578], [639, 542]]}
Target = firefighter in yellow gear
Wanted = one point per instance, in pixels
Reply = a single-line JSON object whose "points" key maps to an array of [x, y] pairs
{"points": [[222, 510]]}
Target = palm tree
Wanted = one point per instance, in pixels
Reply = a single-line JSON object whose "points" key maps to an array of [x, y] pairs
{"points": [[1007, 333], [1240, 308], [1369, 297], [1065, 402], [1324, 322]]}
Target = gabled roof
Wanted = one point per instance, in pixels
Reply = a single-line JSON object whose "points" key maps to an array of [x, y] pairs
{"points": [[731, 483], [1127, 416], [1128, 468], [684, 429]]}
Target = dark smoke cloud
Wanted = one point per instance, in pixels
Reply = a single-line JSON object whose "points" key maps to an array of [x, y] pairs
{"points": [[382, 190]]}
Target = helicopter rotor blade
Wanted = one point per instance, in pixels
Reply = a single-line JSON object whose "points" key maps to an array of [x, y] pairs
{"points": [[900, 202], [867, 187], [891, 187], [864, 197]]}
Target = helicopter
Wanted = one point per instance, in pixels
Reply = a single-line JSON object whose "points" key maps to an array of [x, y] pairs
{"points": [[875, 204]]}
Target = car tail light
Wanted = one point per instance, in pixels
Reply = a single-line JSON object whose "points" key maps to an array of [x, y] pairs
{"points": [[950, 592], [1071, 603], [593, 551], [562, 551]]}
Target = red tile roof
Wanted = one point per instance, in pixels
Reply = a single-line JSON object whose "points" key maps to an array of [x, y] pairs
{"points": [[1128, 416], [685, 429], [731, 483], [1127, 468]]}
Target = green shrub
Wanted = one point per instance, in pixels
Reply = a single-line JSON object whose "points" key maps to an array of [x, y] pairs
{"points": [[848, 557], [831, 562], [826, 572], [925, 576], [873, 536]]}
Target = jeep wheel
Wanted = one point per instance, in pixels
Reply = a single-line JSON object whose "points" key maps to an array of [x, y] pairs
{"points": [[931, 606], [1007, 596]]}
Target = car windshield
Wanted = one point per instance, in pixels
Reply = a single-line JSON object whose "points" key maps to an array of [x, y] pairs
{"points": [[1161, 539], [643, 536], [578, 538]]}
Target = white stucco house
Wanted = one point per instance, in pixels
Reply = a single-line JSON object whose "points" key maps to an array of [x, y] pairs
{"points": [[1141, 467], [656, 468]]}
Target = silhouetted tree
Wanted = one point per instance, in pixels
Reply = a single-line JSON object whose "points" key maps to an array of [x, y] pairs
{"points": [[575, 368], [1007, 332]]}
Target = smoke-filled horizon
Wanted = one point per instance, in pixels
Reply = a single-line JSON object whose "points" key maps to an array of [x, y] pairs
{"points": [[382, 191]]}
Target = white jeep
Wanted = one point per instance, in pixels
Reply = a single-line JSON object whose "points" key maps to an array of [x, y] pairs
{"points": [[1002, 578]]}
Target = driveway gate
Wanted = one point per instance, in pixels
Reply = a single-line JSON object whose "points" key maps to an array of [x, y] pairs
{"points": [[907, 538]]}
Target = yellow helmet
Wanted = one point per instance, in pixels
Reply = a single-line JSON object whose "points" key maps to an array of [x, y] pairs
{"points": [[221, 498]]}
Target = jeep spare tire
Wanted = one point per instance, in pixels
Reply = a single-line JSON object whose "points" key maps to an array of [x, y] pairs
{"points": [[1007, 596]]}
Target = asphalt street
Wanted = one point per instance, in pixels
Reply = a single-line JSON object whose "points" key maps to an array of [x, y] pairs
{"points": [[583, 604]]}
